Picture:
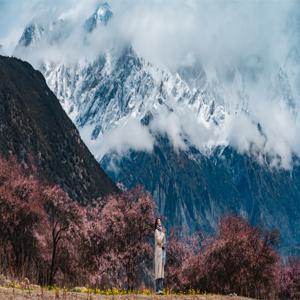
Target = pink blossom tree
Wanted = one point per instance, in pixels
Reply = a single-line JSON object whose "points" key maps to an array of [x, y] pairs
{"points": [[289, 280], [239, 259], [120, 238], [65, 220], [49, 238], [183, 253], [20, 214]]}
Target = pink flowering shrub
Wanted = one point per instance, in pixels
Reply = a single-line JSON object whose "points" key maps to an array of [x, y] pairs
{"points": [[182, 254], [239, 259], [289, 280], [50, 239], [21, 214], [119, 239]]}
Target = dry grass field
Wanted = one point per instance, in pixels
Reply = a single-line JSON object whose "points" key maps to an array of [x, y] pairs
{"points": [[19, 294]]}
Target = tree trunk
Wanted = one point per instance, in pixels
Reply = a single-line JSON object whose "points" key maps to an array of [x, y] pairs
{"points": [[53, 257]]}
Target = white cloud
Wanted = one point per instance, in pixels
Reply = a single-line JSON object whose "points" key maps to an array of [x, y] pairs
{"points": [[126, 136], [240, 44], [218, 33]]}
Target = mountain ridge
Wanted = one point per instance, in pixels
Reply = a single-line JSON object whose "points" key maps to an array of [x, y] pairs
{"points": [[195, 145], [34, 124]]}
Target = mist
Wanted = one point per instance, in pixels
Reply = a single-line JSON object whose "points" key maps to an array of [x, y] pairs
{"points": [[248, 50]]}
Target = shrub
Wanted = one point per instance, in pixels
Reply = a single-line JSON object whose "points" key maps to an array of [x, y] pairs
{"points": [[120, 234], [239, 259], [181, 256], [50, 239], [289, 280]]}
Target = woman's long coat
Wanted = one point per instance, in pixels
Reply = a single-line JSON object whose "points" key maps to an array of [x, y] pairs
{"points": [[158, 254]]}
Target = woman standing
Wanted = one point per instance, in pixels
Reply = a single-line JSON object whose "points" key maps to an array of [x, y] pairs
{"points": [[159, 256]]}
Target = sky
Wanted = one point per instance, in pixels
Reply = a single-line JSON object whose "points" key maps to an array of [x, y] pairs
{"points": [[257, 39], [173, 32]]}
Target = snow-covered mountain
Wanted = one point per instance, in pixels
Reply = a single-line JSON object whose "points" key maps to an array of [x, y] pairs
{"points": [[102, 15], [192, 137]]}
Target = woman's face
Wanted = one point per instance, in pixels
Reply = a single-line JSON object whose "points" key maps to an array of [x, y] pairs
{"points": [[158, 222]]}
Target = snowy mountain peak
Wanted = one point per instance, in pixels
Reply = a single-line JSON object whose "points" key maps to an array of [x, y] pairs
{"points": [[32, 34], [102, 15], [38, 33], [104, 84]]}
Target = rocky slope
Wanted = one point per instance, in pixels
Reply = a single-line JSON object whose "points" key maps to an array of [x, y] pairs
{"points": [[34, 127]]}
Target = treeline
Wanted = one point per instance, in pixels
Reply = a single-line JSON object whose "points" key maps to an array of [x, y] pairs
{"points": [[50, 239], [239, 259]]}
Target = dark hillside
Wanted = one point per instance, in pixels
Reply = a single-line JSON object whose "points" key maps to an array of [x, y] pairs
{"points": [[32, 121]]}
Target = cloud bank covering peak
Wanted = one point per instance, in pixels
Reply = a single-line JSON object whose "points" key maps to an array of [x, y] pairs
{"points": [[248, 51]]}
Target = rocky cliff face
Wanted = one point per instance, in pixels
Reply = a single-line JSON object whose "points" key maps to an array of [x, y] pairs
{"points": [[33, 126], [194, 191]]}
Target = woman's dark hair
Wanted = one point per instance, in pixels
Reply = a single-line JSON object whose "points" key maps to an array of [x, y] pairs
{"points": [[156, 221]]}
